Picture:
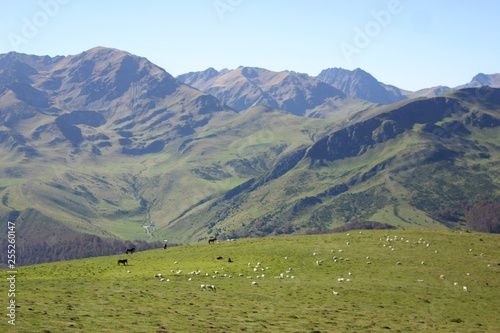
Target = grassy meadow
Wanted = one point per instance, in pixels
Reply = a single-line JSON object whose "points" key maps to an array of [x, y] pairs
{"points": [[392, 283]]}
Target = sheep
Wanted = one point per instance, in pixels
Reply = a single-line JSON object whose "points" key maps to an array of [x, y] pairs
{"points": [[340, 280], [319, 262], [465, 288], [254, 283], [203, 287], [335, 292], [211, 287], [441, 277]]}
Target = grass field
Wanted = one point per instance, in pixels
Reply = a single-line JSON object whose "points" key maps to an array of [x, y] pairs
{"points": [[391, 283]]}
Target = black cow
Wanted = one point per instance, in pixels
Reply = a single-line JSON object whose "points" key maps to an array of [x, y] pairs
{"points": [[131, 250], [123, 262]]}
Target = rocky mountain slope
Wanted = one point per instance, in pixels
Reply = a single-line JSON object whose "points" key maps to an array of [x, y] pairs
{"points": [[292, 92]]}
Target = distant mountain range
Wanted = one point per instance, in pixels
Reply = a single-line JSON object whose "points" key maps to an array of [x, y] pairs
{"points": [[106, 143], [356, 83]]}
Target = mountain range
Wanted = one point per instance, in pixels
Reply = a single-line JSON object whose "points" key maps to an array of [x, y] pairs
{"points": [[106, 143]]}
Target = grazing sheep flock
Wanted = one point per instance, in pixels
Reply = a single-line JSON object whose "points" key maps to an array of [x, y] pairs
{"points": [[338, 264]]}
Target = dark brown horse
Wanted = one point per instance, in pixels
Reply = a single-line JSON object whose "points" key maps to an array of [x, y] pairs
{"points": [[212, 240], [131, 250]]}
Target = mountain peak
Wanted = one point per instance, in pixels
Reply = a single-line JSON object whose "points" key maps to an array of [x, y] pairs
{"points": [[360, 84], [481, 79]]}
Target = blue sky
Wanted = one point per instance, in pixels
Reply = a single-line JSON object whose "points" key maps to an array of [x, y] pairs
{"points": [[407, 43]]}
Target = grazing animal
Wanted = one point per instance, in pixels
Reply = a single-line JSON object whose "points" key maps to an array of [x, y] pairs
{"points": [[123, 262], [212, 240], [131, 250], [229, 260], [219, 258]]}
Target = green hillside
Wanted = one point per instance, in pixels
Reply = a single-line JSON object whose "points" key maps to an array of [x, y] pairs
{"points": [[417, 163], [393, 281]]}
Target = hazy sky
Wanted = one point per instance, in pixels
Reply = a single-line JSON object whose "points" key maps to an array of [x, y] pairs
{"points": [[409, 44]]}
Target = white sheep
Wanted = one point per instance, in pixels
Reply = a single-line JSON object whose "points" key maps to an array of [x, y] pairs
{"points": [[211, 287], [335, 292], [254, 283], [203, 287], [465, 288]]}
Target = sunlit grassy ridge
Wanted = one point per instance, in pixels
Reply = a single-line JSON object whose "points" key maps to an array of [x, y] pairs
{"points": [[394, 286]]}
